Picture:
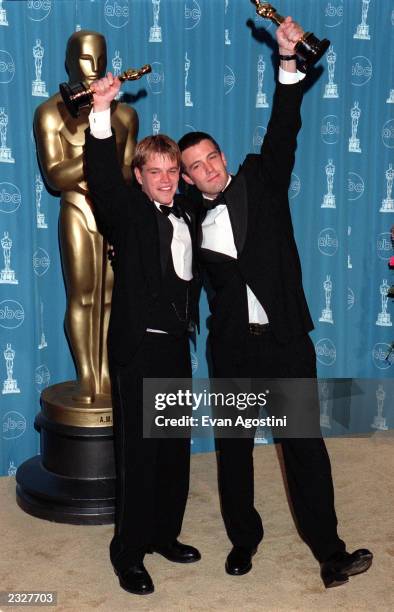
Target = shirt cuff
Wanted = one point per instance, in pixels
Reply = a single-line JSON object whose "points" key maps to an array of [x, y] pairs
{"points": [[100, 123], [289, 78]]}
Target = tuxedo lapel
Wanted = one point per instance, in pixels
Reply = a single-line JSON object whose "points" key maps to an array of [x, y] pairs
{"points": [[165, 238], [150, 245], [236, 200]]}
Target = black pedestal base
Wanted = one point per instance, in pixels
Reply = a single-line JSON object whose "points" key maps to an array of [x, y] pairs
{"points": [[73, 480], [64, 500]]}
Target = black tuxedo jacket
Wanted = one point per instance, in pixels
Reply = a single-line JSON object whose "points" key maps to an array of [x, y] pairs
{"points": [[258, 206], [129, 221]]}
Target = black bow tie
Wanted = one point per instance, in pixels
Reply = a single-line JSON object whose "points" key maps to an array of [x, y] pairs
{"points": [[211, 204], [168, 210]]}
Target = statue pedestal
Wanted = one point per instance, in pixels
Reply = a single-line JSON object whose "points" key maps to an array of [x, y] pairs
{"points": [[384, 319], [328, 201], [39, 89], [362, 32], [261, 100], [387, 205], [331, 90], [326, 316], [155, 34], [73, 479]]}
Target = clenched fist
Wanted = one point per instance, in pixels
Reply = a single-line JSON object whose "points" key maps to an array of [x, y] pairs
{"points": [[104, 91], [287, 35]]}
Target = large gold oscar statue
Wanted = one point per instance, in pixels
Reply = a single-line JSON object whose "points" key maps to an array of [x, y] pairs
{"points": [[88, 277], [73, 480]]}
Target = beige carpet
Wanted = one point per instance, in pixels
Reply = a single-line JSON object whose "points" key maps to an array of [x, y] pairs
{"points": [[73, 560]]}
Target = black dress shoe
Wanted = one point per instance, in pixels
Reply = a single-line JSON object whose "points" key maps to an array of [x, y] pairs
{"points": [[239, 561], [135, 579], [337, 568], [178, 553]]}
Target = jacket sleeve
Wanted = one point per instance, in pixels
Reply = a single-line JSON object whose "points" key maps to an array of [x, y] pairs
{"points": [[280, 141], [107, 188]]}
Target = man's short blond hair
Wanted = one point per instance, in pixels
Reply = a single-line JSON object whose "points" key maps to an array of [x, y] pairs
{"points": [[159, 143]]}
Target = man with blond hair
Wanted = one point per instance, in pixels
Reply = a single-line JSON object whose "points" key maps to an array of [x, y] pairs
{"points": [[154, 303]]}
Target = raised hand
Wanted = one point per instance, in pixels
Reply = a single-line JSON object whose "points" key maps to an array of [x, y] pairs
{"points": [[287, 35], [104, 91]]}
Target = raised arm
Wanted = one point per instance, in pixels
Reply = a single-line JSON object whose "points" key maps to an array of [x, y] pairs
{"points": [[107, 187], [280, 141]]}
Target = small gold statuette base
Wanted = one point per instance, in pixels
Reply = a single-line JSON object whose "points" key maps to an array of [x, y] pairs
{"points": [[309, 49], [58, 406], [77, 96]]}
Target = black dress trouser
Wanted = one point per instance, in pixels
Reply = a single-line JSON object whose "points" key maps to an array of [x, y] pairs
{"points": [[306, 461], [152, 481]]}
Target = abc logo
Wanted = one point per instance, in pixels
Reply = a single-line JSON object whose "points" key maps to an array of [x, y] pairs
{"points": [[384, 246], [326, 352], [330, 129], [379, 355], [7, 67], [327, 241], [42, 377], [38, 10], [192, 14], [12, 314], [156, 78], [355, 186], [229, 79], [388, 134], [14, 425], [361, 70], [295, 186], [116, 13], [10, 198], [333, 14], [41, 262]]}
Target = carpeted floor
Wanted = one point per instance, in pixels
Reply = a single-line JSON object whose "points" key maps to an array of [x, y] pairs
{"points": [[73, 560]]}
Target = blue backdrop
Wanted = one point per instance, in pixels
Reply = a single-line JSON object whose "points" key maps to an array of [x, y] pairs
{"points": [[213, 70]]}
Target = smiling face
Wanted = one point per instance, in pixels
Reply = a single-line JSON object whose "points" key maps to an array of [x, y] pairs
{"points": [[159, 177], [205, 167]]}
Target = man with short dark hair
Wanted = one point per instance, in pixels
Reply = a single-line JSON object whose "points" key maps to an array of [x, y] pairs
{"points": [[260, 319], [154, 302]]}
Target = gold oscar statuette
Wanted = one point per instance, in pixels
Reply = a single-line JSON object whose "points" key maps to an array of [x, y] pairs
{"points": [[73, 478], [77, 96], [308, 49]]}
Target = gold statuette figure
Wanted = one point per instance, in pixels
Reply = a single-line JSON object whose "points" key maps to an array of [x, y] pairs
{"points": [[309, 49], [88, 277], [77, 96]]}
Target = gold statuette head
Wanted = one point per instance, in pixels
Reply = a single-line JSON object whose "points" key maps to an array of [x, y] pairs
{"points": [[264, 9]]}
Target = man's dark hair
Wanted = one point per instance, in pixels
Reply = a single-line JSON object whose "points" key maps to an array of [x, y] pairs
{"points": [[193, 138]]}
